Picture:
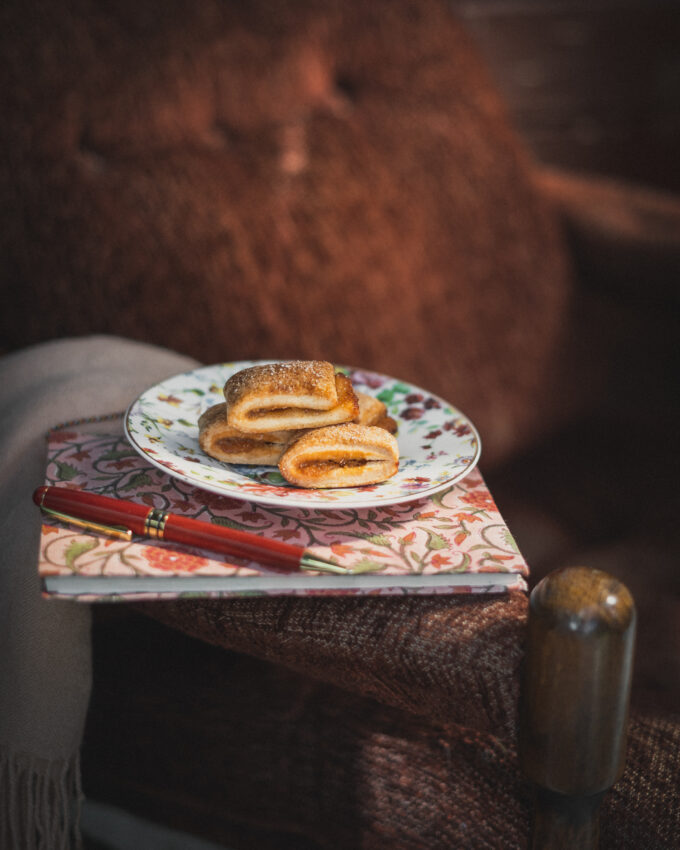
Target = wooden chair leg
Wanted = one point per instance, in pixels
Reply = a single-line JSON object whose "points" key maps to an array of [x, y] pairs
{"points": [[574, 701]]}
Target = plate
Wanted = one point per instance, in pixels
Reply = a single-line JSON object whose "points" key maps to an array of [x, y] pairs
{"points": [[438, 444]]}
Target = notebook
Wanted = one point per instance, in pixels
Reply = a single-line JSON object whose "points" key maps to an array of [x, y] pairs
{"points": [[453, 542]]}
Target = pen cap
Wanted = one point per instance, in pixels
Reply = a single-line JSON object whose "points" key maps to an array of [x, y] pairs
{"points": [[93, 507]]}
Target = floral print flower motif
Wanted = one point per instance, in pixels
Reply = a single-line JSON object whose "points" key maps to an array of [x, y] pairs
{"points": [[215, 501], [417, 482], [341, 549], [460, 429], [172, 560], [286, 534], [367, 379], [251, 516], [467, 517], [170, 465], [183, 506], [481, 499], [169, 399], [438, 560], [123, 463]]}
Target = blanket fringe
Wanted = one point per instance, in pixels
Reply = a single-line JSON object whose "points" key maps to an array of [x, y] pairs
{"points": [[40, 801]]}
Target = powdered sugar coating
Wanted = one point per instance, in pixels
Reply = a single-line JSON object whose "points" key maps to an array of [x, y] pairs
{"points": [[301, 383], [367, 438], [274, 398]]}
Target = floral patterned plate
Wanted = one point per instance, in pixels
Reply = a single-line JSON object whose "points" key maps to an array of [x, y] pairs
{"points": [[438, 445]]}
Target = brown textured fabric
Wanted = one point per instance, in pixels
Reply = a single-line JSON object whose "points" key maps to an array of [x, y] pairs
{"points": [[446, 658], [282, 751], [643, 809], [286, 755], [305, 179]]}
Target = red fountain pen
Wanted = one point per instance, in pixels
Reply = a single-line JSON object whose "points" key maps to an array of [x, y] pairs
{"points": [[120, 518]]}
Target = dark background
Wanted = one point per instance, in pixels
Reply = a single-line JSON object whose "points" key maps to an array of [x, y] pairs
{"points": [[592, 86]]}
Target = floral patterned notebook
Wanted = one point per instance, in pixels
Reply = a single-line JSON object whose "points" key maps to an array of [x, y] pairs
{"points": [[453, 542]]}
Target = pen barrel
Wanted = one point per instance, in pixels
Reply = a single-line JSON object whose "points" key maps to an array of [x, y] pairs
{"points": [[145, 521], [93, 507], [231, 541]]}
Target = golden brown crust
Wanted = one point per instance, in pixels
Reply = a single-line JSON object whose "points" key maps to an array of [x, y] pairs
{"points": [[310, 381], [348, 455], [372, 411], [370, 408], [223, 442], [287, 396], [388, 424]]}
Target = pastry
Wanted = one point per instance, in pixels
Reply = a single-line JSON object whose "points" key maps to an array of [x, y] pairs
{"points": [[348, 455], [372, 411], [223, 442], [292, 395]]}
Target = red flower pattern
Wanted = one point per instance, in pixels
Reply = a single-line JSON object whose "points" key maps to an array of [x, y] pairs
{"points": [[172, 560], [341, 549], [481, 499], [214, 501], [439, 560], [251, 516], [286, 533]]}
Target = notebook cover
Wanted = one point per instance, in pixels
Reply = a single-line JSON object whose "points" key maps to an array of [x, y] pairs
{"points": [[453, 542]]}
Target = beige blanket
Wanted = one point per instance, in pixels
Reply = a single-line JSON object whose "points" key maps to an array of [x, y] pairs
{"points": [[45, 664]]}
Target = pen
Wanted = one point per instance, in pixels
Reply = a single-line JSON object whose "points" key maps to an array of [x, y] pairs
{"points": [[120, 518]]}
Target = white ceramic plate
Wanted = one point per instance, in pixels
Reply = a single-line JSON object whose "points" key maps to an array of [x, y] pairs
{"points": [[438, 445]]}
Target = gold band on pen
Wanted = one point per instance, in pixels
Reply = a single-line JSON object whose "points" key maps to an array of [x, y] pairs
{"points": [[154, 523]]}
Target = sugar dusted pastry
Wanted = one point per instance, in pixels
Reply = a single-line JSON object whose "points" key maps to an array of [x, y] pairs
{"points": [[348, 455], [223, 442], [372, 411], [292, 395]]}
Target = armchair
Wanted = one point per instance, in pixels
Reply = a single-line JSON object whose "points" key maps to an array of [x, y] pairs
{"points": [[340, 180], [412, 744]]}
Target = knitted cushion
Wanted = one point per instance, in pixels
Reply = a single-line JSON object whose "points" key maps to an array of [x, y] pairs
{"points": [[301, 179]]}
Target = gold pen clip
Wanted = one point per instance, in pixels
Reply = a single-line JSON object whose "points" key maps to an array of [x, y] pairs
{"points": [[118, 531]]}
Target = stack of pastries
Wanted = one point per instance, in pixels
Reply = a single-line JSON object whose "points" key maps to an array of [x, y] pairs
{"points": [[306, 419]]}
